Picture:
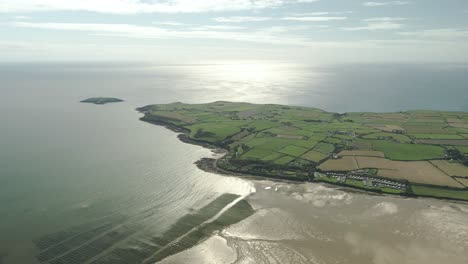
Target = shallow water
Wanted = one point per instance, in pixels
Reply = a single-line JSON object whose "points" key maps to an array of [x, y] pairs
{"points": [[64, 164]]}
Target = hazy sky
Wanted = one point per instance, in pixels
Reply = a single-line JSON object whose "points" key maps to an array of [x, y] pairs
{"points": [[181, 31]]}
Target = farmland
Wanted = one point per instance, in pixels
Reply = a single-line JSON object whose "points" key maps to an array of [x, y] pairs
{"points": [[408, 151], [389, 136], [451, 168], [291, 142], [422, 172], [361, 153], [439, 192], [463, 181], [451, 142], [314, 156]]}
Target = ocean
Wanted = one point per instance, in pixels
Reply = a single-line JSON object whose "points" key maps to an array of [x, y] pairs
{"points": [[67, 168]]}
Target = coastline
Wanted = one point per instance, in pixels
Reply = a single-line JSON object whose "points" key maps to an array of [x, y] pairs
{"points": [[210, 165]]}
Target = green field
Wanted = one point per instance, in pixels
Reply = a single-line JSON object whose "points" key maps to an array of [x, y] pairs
{"points": [[284, 160], [310, 143], [329, 140], [278, 140], [408, 152], [325, 148], [273, 156], [294, 151], [260, 125], [437, 136], [463, 149], [440, 192], [212, 132], [256, 153], [314, 156], [268, 143]]}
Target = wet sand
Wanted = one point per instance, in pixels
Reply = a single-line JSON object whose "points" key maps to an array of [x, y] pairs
{"points": [[315, 223]]}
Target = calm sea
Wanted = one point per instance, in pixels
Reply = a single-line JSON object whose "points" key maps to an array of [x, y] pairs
{"points": [[65, 164]]}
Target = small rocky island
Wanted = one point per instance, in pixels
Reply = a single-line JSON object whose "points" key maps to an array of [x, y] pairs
{"points": [[102, 100]]}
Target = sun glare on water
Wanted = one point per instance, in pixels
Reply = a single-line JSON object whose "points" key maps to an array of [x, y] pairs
{"points": [[247, 71], [249, 81]]}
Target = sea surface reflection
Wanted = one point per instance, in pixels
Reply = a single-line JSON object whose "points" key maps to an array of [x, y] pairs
{"points": [[338, 88]]}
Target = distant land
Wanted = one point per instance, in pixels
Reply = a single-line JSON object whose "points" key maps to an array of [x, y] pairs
{"points": [[102, 100], [413, 153]]}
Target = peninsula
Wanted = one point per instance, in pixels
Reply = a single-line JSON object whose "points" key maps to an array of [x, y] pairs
{"points": [[413, 153], [102, 100]]}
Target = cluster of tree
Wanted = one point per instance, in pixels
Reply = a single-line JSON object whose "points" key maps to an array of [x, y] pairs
{"points": [[244, 147], [268, 134], [267, 166], [338, 115], [202, 133], [455, 154]]}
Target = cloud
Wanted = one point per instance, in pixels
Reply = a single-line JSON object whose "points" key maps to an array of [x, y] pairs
{"points": [[171, 23], [275, 36], [379, 23], [270, 45], [384, 19], [285, 29], [325, 13], [313, 18], [194, 27], [21, 17], [271, 35], [239, 19], [443, 33], [218, 27], [390, 3], [152, 32], [16, 46], [140, 6]]}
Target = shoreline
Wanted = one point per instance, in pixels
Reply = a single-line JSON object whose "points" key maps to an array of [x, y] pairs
{"points": [[210, 165]]}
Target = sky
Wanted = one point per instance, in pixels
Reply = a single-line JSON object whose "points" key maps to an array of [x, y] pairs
{"points": [[197, 31]]}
